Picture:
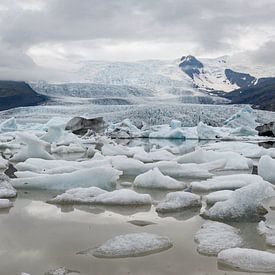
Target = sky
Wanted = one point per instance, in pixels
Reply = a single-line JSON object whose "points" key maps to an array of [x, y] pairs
{"points": [[45, 39]]}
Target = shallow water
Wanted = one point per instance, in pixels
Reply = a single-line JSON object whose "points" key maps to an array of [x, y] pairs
{"points": [[36, 236]]}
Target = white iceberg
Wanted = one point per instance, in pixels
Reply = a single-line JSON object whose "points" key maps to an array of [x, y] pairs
{"points": [[244, 204], [122, 197], [266, 168], [214, 237], [206, 132], [228, 182], [244, 118], [177, 201], [175, 124], [78, 196], [8, 125], [133, 245], [35, 148], [234, 161], [155, 179], [221, 195], [115, 150], [70, 149], [167, 132], [268, 232], [102, 177], [250, 260], [3, 163], [5, 203], [6, 189]]}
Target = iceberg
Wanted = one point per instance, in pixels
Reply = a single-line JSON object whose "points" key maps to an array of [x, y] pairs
{"points": [[35, 148], [155, 179], [214, 197], [133, 245], [244, 118], [102, 177], [206, 132], [234, 161], [5, 203], [266, 168], [243, 204], [8, 125], [228, 182], [115, 150], [250, 260], [167, 132], [6, 189], [214, 237], [177, 201]]}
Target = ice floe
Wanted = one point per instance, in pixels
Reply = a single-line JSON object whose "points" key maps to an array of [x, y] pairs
{"points": [[6, 189], [5, 203], [133, 245], [214, 197], [243, 204], [103, 177], [8, 125], [234, 161], [155, 179], [266, 168], [228, 182], [214, 237], [250, 260], [177, 201]]}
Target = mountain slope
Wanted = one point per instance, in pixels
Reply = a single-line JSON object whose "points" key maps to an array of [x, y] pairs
{"points": [[17, 94], [261, 95]]}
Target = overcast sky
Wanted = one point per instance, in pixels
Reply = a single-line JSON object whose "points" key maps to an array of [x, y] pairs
{"points": [[38, 37]]}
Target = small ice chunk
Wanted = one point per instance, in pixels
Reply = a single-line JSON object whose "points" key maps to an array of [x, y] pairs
{"points": [[6, 189], [123, 197], [115, 150], [62, 271], [102, 177], [78, 196], [228, 182], [177, 201], [221, 195], [268, 232], [155, 179], [3, 163], [266, 168], [234, 161], [214, 237], [8, 125], [206, 132], [250, 260], [133, 245], [243, 204], [5, 203]]}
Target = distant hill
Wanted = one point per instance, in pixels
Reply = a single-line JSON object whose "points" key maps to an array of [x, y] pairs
{"points": [[17, 94], [261, 95]]}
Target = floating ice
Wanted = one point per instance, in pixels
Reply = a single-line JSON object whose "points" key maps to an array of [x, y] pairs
{"points": [[115, 150], [214, 197], [266, 168], [207, 132], [250, 260], [78, 196], [3, 163], [243, 204], [177, 201], [228, 182], [123, 197], [268, 232], [103, 177], [244, 131], [5, 203], [234, 161], [6, 189], [133, 245], [175, 124], [188, 170], [8, 125], [244, 118], [155, 179], [214, 237], [62, 271], [71, 149], [167, 132], [35, 148]]}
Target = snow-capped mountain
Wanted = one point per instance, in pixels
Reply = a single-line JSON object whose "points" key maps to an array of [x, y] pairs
{"points": [[185, 76]]}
